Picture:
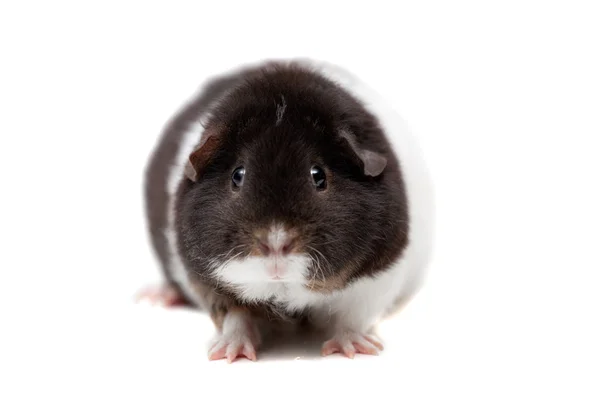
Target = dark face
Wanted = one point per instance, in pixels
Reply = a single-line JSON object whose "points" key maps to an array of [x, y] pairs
{"points": [[286, 203], [293, 185]]}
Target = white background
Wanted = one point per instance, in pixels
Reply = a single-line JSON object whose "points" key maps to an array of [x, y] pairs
{"points": [[504, 95]]}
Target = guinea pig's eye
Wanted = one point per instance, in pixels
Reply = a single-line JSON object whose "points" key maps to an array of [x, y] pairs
{"points": [[319, 178], [238, 176]]}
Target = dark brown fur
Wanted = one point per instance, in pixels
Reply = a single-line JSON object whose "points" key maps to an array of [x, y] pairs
{"points": [[359, 224], [162, 158]]}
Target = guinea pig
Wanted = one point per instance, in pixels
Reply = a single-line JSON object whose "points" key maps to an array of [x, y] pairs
{"points": [[289, 191]]}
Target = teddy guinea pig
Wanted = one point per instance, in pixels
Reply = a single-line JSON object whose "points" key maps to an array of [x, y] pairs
{"points": [[289, 192]]}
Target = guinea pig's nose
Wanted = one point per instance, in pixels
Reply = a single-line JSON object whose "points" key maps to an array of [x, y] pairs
{"points": [[276, 241]]}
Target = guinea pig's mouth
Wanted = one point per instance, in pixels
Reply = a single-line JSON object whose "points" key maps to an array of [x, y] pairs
{"points": [[277, 269], [291, 268], [274, 255]]}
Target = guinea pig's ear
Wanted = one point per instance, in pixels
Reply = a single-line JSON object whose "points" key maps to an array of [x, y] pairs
{"points": [[373, 163], [202, 154]]}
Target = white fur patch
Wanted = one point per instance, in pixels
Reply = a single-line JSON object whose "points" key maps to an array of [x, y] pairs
{"points": [[277, 237], [259, 270]]}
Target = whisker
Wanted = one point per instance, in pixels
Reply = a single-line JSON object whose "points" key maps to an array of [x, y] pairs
{"points": [[330, 242], [314, 277], [201, 275], [318, 263], [231, 250]]}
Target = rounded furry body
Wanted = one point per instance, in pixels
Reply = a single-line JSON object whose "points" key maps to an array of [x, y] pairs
{"points": [[358, 246]]}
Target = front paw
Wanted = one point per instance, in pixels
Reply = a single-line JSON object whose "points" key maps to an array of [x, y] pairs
{"points": [[350, 343], [239, 337], [233, 345]]}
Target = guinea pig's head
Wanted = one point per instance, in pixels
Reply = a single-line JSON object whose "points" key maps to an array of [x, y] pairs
{"points": [[289, 199]]}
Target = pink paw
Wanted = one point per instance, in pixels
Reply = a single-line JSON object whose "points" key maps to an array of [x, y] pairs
{"points": [[350, 344], [232, 346], [160, 295]]}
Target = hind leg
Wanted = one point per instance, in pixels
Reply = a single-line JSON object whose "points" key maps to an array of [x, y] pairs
{"points": [[162, 295]]}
